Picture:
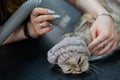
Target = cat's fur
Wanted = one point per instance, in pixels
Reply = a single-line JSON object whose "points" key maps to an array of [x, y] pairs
{"points": [[79, 63]]}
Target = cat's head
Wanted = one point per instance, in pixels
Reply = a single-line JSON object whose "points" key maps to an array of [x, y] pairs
{"points": [[75, 64], [71, 55]]}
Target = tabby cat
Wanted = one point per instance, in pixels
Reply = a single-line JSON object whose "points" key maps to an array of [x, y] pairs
{"points": [[71, 54]]}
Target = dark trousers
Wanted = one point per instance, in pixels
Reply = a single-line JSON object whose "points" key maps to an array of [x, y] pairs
{"points": [[27, 60]]}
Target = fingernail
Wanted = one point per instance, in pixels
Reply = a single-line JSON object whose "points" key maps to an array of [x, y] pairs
{"points": [[55, 16], [51, 11]]}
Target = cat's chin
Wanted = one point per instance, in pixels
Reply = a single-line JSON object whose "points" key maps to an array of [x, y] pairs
{"points": [[77, 68], [65, 72], [73, 72]]}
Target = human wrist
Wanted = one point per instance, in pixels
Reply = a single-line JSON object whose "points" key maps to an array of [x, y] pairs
{"points": [[100, 12], [105, 15], [27, 31]]}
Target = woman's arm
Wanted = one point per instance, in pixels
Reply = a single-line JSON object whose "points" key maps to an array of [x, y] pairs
{"points": [[92, 7], [17, 35]]}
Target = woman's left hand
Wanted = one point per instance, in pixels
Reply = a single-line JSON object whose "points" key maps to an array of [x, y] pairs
{"points": [[104, 36]]}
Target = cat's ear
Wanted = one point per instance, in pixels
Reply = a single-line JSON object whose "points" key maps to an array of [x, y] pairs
{"points": [[86, 22], [87, 18]]}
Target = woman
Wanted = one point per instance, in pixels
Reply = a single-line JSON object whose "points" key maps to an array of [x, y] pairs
{"points": [[102, 30], [37, 25]]}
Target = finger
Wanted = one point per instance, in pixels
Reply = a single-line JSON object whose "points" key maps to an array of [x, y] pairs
{"points": [[39, 11], [115, 44], [43, 24], [105, 50], [104, 44], [93, 34], [46, 18], [44, 30], [101, 46], [96, 42], [40, 28], [113, 47]]}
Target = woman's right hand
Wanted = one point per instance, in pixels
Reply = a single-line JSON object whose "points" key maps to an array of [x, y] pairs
{"points": [[104, 35], [39, 24]]}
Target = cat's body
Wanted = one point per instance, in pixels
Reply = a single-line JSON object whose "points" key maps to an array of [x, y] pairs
{"points": [[69, 57]]}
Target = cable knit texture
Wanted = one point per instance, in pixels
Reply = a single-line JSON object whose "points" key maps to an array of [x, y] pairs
{"points": [[66, 48]]}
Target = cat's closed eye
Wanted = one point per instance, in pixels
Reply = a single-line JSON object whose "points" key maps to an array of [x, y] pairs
{"points": [[69, 69], [79, 60]]}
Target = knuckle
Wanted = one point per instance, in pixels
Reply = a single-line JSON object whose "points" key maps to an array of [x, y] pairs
{"points": [[107, 48], [35, 10], [112, 37], [33, 21], [38, 10], [46, 23], [50, 17], [107, 35], [46, 16], [41, 18]]}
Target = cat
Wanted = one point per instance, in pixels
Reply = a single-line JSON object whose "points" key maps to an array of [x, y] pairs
{"points": [[71, 54]]}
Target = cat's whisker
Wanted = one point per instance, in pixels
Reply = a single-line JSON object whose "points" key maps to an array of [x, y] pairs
{"points": [[71, 77], [90, 72], [97, 72], [93, 71], [56, 68]]}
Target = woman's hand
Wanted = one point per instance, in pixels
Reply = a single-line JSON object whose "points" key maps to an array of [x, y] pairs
{"points": [[104, 36], [39, 24]]}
